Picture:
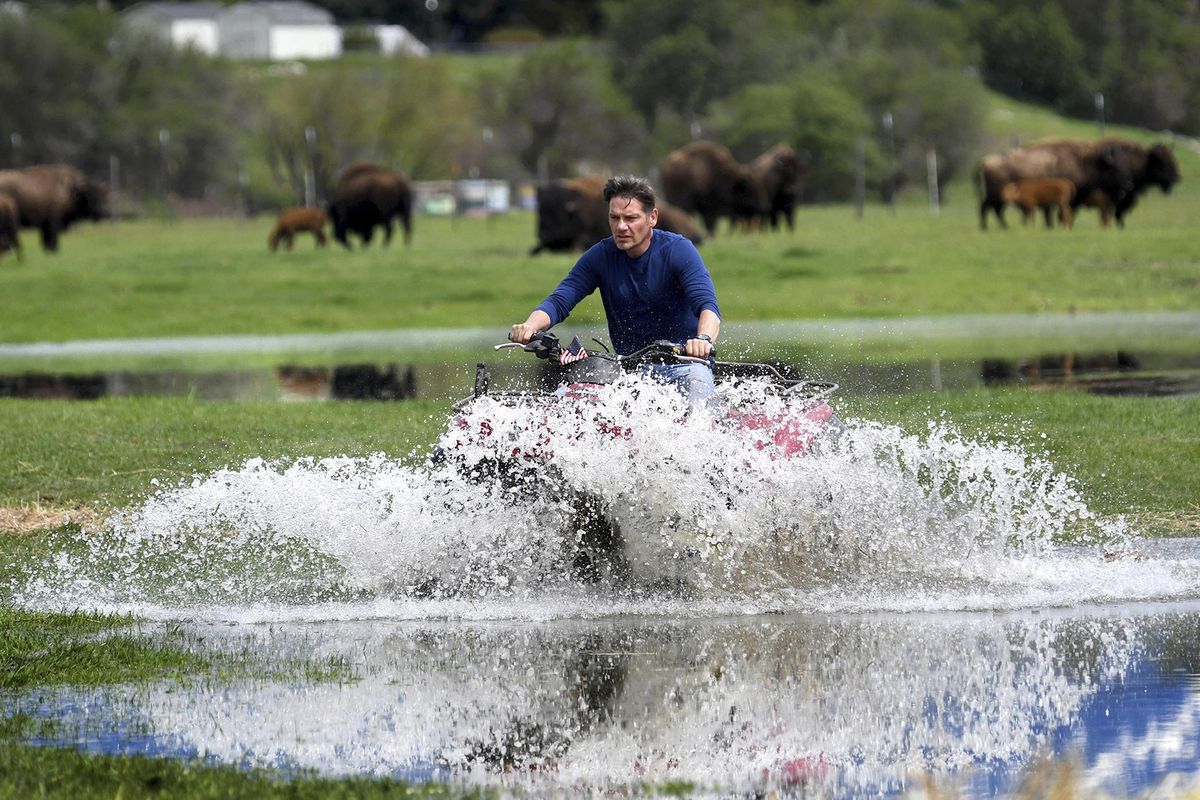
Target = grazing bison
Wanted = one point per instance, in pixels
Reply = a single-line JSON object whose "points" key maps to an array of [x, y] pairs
{"points": [[1153, 166], [9, 224], [1030, 194], [295, 220], [1087, 165], [50, 197], [572, 215], [704, 178], [368, 195], [779, 171]]}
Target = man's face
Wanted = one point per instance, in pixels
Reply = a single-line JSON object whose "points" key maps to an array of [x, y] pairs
{"points": [[630, 225]]}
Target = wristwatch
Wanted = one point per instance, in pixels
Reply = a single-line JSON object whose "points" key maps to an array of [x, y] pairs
{"points": [[703, 336]]}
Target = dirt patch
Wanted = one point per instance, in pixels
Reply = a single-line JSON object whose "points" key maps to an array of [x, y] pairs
{"points": [[1180, 523], [30, 519]]}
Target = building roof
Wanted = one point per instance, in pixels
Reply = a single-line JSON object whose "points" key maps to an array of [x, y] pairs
{"points": [[198, 9], [279, 12], [291, 12]]}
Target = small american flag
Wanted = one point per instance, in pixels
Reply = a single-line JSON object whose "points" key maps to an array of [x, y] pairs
{"points": [[572, 352]]}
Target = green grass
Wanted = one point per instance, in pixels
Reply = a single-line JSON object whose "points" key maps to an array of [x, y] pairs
{"points": [[64, 774], [68, 454]]}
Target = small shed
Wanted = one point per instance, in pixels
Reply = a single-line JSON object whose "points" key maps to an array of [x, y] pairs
{"points": [[191, 24], [279, 30]]}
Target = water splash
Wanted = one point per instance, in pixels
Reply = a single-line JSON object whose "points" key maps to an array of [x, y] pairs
{"points": [[712, 518]]}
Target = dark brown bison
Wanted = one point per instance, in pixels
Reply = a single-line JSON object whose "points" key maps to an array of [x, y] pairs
{"points": [[1047, 194], [780, 171], [368, 195], [704, 178], [1087, 165], [1149, 166], [9, 225], [295, 220], [572, 215], [50, 197]]}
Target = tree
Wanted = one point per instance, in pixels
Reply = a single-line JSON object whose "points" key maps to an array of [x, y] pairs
{"points": [[1032, 54], [78, 88], [560, 107]]}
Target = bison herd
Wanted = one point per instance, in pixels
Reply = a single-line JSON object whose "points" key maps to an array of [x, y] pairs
{"points": [[1064, 174], [700, 180]]}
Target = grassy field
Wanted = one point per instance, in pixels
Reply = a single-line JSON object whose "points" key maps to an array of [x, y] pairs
{"points": [[209, 277], [152, 278]]}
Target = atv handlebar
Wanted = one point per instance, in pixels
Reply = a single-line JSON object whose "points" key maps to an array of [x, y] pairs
{"points": [[546, 345]]}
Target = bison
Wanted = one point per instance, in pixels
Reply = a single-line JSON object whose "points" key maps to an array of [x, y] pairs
{"points": [[1153, 166], [50, 197], [294, 220], [1030, 194], [779, 171], [1087, 165], [369, 195], [704, 178], [572, 215], [9, 225]]}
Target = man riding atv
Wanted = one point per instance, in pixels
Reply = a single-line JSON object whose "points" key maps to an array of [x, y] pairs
{"points": [[653, 284]]}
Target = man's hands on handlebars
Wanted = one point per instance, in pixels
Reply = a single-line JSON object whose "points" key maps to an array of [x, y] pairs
{"points": [[698, 348], [522, 332]]}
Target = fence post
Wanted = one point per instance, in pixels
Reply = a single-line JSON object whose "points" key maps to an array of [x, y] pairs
{"points": [[931, 170], [860, 177]]}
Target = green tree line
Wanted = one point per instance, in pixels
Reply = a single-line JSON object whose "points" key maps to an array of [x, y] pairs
{"points": [[610, 86]]}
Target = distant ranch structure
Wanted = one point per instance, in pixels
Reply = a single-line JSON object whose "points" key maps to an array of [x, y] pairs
{"points": [[279, 32], [264, 30], [191, 25]]}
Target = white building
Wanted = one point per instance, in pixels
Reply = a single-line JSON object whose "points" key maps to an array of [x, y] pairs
{"points": [[280, 30], [182, 24]]}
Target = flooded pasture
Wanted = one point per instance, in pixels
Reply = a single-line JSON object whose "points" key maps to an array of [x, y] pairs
{"points": [[881, 614]]}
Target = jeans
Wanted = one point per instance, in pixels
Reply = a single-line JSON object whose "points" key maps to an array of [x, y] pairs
{"points": [[695, 381]]}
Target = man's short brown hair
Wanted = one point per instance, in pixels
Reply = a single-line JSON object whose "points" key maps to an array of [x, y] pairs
{"points": [[633, 187]]}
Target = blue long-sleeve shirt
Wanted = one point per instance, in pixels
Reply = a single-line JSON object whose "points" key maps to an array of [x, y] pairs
{"points": [[658, 295]]}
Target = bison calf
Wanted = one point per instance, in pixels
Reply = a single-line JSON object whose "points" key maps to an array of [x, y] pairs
{"points": [[1031, 194], [10, 219], [294, 220]]}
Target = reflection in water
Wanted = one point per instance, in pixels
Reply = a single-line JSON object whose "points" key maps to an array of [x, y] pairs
{"points": [[846, 707], [1112, 372]]}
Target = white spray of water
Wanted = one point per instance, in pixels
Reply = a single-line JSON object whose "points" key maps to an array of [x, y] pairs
{"points": [[712, 518]]}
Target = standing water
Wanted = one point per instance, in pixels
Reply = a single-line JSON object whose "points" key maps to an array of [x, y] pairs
{"points": [[881, 613]]}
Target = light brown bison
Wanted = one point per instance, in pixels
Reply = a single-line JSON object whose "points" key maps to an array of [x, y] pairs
{"points": [[1030, 194], [1087, 165], [9, 224], [295, 220], [572, 215], [1149, 166], [50, 197], [780, 171], [368, 195], [704, 178]]}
